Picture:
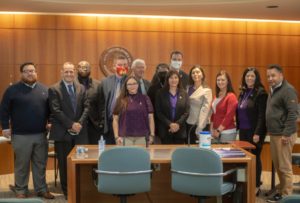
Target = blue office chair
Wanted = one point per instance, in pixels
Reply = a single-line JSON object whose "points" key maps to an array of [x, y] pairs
{"points": [[199, 173], [18, 200], [291, 199], [124, 171]]}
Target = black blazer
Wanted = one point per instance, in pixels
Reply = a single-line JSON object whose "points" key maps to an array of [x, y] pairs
{"points": [[63, 116], [256, 111], [163, 113]]}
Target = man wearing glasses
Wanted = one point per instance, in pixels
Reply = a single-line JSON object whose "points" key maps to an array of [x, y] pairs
{"points": [[24, 108]]}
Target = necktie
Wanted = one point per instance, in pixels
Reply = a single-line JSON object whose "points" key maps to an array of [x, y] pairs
{"points": [[72, 97], [142, 85]]}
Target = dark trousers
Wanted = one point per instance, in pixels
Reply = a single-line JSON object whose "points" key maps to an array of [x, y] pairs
{"points": [[190, 131], [94, 133], [109, 135], [62, 149], [169, 139], [247, 135]]}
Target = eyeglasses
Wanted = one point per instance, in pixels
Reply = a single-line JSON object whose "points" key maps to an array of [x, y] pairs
{"points": [[28, 71], [131, 84]]}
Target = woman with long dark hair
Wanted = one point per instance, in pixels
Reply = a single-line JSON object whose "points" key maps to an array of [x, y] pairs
{"points": [[172, 110], [133, 115], [223, 110], [200, 98], [251, 111]]}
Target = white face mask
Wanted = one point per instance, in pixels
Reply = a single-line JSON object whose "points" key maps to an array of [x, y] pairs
{"points": [[176, 64]]}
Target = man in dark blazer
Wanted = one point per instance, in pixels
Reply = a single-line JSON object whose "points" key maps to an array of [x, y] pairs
{"points": [[107, 93], [69, 111], [94, 128], [138, 68]]}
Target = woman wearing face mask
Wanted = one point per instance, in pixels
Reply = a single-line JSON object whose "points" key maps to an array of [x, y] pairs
{"points": [[157, 83], [251, 115], [133, 115], [158, 80], [200, 96], [172, 110], [224, 106]]}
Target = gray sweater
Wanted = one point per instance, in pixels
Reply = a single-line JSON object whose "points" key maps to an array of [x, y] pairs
{"points": [[282, 110]]}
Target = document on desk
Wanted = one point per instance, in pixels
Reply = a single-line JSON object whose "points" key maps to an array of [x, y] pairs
{"points": [[229, 152], [4, 139]]}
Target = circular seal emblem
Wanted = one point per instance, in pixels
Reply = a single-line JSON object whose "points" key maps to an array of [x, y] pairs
{"points": [[107, 59]]}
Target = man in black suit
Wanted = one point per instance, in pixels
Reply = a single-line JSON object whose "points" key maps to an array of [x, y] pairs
{"points": [[69, 111], [94, 127], [138, 68]]}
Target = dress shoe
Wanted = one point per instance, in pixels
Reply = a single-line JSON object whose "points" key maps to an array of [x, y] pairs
{"points": [[46, 195], [276, 198], [21, 196]]}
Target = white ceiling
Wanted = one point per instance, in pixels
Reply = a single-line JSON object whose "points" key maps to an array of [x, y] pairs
{"points": [[252, 9]]}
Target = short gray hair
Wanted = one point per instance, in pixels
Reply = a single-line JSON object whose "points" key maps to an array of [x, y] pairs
{"points": [[138, 61]]}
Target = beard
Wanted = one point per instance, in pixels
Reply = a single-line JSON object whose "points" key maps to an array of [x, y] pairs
{"points": [[29, 81], [84, 74]]}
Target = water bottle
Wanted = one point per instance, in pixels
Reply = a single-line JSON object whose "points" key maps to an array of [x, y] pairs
{"points": [[205, 139], [101, 144]]}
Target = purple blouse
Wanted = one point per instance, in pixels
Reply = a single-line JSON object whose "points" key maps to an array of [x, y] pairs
{"points": [[173, 102], [191, 90], [244, 122], [134, 121]]}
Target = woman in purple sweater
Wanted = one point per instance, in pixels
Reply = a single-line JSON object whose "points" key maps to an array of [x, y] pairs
{"points": [[133, 121]]}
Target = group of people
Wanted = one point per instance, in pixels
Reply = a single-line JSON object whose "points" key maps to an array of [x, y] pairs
{"points": [[126, 109]]}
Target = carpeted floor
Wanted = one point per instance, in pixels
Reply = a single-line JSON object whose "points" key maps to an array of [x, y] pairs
{"points": [[5, 192]]}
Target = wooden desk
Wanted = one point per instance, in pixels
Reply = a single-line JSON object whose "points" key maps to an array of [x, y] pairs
{"points": [[81, 188]]}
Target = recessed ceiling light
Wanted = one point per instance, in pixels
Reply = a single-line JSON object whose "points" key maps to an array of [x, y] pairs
{"points": [[272, 6]]}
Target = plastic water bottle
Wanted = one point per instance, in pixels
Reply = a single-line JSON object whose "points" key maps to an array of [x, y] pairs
{"points": [[205, 139], [101, 144]]}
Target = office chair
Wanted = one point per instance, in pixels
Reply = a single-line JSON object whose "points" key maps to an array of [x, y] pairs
{"points": [[199, 173], [16, 200], [291, 199], [124, 171]]}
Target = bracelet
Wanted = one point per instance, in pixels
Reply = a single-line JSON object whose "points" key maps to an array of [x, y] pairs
{"points": [[116, 137], [152, 135]]}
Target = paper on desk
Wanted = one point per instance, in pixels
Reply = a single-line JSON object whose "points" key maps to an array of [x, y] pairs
{"points": [[4, 139]]}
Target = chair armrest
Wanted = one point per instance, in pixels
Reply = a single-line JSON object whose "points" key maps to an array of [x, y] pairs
{"points": [[205, 174], [230, 171], [122, 173]]}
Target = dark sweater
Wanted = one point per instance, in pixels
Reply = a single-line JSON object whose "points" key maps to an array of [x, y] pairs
{"points": [[25, 108], [282, 110]]}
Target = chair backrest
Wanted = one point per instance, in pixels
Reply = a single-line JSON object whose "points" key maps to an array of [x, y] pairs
{"points": [[16, 200], [197, 160], [128, 171], [291, 199]]}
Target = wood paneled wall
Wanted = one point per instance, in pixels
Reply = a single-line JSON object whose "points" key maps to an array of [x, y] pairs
{"points": [[50, 40]]}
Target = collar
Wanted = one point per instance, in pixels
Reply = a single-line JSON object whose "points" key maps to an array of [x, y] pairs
{"points": [[31, 86], [66, 83]]}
